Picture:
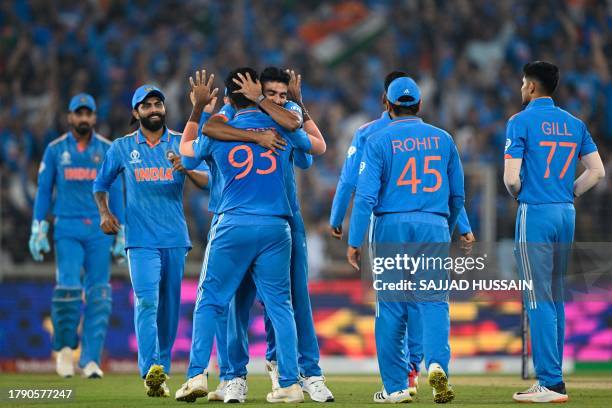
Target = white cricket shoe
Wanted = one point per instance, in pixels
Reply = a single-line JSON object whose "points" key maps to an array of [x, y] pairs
{"points": [[539, 393], [413, 382], [290, 394], [219, 393], [63, 363], [442, 392], [272, 369], [315, 387], [236, 391], [195, 387], [155, 382], [397, 397], [92, 370]]}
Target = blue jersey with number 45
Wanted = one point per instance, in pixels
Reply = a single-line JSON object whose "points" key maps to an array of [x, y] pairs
{"points": [[253, 178], [408, 166], [550, 141]]}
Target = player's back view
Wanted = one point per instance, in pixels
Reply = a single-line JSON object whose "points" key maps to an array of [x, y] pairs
{"points": [[251, 235], [543, 146], [411, 179]]}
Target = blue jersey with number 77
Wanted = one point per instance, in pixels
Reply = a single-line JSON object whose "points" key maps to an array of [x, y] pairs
{"points": [[253, 178], [550, 141]]}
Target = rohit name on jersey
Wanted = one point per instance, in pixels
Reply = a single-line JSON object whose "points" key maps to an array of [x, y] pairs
{"points": [[410, 144], [80, 173], [143, 174]]}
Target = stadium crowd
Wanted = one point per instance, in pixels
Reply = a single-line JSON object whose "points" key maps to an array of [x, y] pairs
{"points": [[466, 54]]}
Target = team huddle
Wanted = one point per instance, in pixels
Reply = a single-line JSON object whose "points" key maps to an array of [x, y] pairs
{"points": [[407, 182]]}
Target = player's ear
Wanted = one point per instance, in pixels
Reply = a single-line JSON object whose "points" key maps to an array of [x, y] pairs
{"points": [[384, 99], [135, 114]]}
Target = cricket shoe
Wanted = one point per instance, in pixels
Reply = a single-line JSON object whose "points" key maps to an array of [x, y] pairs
{"points": [[195, 387], [315, 387], [413, 382], [272, 369], [397, 397], [63, 363], [539, 393], [155, 382], [290, 394], [92, 370], [236, 391], [442, 391], [219, 393]]}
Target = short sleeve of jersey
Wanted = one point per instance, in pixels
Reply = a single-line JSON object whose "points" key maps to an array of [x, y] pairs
{"points": [[588, 146], [294, 107], [300, 140], [201, 147], [227, 112], [516, 137]]}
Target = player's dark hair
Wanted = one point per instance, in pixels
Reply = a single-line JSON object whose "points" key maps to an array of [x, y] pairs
{"points": [[238, 99], [274, 74], [399, 110], [544, 73], [392, 76]]}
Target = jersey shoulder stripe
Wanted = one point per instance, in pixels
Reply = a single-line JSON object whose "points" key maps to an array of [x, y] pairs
{"points": [[58, 140], [102, 139]]}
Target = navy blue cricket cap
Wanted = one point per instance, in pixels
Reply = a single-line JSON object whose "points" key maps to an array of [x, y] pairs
{"points": [[144, 92], [403, 91], [82, 100]]}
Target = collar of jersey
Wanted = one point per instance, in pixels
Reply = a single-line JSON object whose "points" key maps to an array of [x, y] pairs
{"points": [[409, 119], [539, 102], [73, 140], [165, 137], [247, 110]]}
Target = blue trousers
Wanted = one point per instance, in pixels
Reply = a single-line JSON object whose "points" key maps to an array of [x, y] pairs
{"points": [[238, 319], [425, 233], [544, 234], [80, 246], [156, 275], [260, 246]]}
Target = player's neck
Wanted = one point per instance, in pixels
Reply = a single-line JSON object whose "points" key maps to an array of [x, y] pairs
{"points": [[152, 135]]}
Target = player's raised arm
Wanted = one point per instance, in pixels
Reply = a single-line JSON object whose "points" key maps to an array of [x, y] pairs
{"points": [[203, 96]]}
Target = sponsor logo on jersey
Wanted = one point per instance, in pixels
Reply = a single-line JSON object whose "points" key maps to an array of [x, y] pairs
{"points": [[362, 167], [351, 151], [508, 143]]}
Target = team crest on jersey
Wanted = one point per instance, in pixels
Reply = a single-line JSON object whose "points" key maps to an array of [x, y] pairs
{"points": [[65, 158], [361, 167], [96, 158], [170, 155], [351, 151], [135, 157], [508, 143]]}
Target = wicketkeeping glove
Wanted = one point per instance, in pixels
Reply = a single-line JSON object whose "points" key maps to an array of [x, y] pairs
{"points": [[118, 248], [38, 240]]}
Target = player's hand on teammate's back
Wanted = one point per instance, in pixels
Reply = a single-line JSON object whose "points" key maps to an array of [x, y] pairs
{"points": [[118, 248], [202, 92], [353, 255], [271, 140], [336, 232], [294, 92], [466, 241], [38, 240], [109, 223], [249, 88]]}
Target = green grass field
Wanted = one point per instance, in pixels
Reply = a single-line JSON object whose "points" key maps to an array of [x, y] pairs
{"points": [[585, 390]]}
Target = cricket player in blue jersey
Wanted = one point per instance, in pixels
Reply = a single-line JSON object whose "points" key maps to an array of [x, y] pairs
{"points": [[156, 232], [344, 192], [412, 180], [276, 85], [543, 146], [70, 164], [251, 235]]}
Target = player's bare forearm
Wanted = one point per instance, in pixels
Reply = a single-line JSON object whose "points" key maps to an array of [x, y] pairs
{"points": [[284, 117], [595, 171], [316, 137], [101, 198], [199, 178], [216, 128], [190, 133], [512, 176], [108, 222]]}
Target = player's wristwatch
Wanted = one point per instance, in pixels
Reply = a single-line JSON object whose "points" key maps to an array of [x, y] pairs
{"points": [[260, 99]]}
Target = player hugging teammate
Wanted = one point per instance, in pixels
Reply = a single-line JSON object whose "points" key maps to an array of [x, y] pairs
{"points": [[246, 153]]}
